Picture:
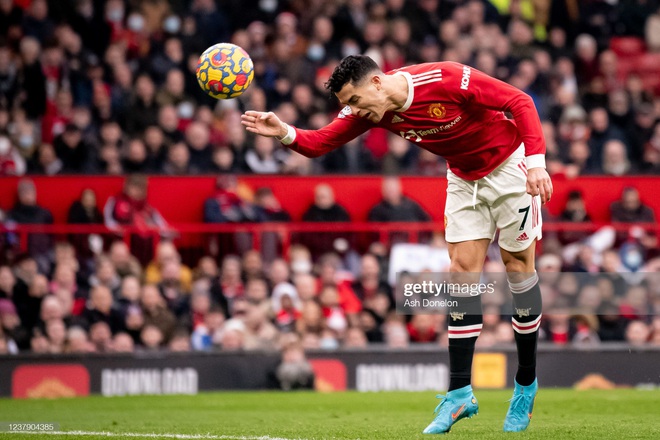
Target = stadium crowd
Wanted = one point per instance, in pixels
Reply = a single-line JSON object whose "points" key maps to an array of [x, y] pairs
{"points": [[108, 87], [81, 295]]}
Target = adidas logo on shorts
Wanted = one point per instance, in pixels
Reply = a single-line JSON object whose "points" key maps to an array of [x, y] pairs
{"points": [[522, 237]]}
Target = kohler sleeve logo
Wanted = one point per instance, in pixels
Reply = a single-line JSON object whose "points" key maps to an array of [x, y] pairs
{"points": [[465, 80]]}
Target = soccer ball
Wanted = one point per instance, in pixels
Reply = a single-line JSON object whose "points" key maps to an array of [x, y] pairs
{"points": [[225, 71]]}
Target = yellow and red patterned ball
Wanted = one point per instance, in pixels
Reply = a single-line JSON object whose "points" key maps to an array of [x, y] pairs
{"points": [[225, 71]]}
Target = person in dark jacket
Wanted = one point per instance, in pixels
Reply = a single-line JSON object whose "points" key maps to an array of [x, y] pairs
{"points": [[396, 207], [27, 211], [324, 208]]}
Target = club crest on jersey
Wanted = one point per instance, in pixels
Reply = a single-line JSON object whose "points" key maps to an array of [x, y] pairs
{"points": [[346, 111], [437, 111]]}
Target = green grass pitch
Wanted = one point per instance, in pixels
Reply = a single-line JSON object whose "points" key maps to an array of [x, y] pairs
{"points": [[559, 414]]}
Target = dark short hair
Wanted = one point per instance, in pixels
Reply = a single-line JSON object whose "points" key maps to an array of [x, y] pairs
{"points": [[352, 69]]}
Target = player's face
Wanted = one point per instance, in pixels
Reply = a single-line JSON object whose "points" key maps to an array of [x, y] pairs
{"points": [[366, 99]]}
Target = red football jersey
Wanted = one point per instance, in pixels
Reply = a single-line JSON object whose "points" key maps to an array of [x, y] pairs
{"points": [[454, 111]]}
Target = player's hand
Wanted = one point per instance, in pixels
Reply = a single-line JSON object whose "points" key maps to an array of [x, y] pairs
{"points": [[265, 124], [539, 183]]}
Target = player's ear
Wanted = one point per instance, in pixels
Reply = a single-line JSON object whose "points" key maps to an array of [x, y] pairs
{"points": [[377, 81]]}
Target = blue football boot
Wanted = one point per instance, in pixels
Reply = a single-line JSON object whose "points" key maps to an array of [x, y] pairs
{"points": [[521, 406], [456, 405]]}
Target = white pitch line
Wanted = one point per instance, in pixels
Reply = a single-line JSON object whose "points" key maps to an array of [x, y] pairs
{"points": [[151, 435]]}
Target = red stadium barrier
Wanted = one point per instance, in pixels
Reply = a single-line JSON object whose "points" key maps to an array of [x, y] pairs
{"points": [[180, 199], [195, 235]]}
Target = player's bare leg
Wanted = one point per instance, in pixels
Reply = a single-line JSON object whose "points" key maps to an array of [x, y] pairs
{"points": [[526, 321], [465, 322]]}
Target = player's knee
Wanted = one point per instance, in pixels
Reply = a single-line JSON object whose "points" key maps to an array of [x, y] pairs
{"points": [[461, 264], [517, 266]]}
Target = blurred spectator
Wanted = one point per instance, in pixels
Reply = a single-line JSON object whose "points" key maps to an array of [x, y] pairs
{"points": [[269, 207], [180, 342], [651, 153], [294, 372], [85, 209], [328, 268], [122, 343], [630, 208], [77, 341], [131, 208], [324, 208], [27, 211], [7, 282], [204, 335], [45, 161], [574, 212], [370, 280], [156, 313], [265, 157], [11, 161], [396, 207], [125, 264], [106, 275], [615, 160], [73, 151], [101, 309], [232, 337], [143, 111], [178, 161], [17, 336], [166, 252], [226, 206], [197, 138], [151, 337], [637, 333], [421, 328]]}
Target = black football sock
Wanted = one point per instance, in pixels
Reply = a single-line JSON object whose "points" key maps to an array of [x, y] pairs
{"points": [[465, 322], [526, 321]]}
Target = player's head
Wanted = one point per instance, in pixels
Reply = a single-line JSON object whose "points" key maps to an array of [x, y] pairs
{"points": [[353, 69], [357, 83]]}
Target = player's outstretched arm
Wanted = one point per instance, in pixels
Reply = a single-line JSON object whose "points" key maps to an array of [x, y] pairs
{"points": [[264, 123], [539, 183]]}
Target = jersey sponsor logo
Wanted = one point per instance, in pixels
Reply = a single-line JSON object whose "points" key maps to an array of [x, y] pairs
{"points": [[437, 110], [465, 80], [396, 119], [451, 124], [346, 111], [418, 135], [411, 135]]}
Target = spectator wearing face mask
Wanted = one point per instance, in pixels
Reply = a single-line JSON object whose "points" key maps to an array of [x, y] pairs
{"points": [[11, 161]]}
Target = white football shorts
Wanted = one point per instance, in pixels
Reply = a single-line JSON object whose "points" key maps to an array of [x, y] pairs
{"points": [[477, 209]]}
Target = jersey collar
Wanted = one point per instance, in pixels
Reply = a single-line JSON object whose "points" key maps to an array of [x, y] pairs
{"points": [[411, 91]]}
